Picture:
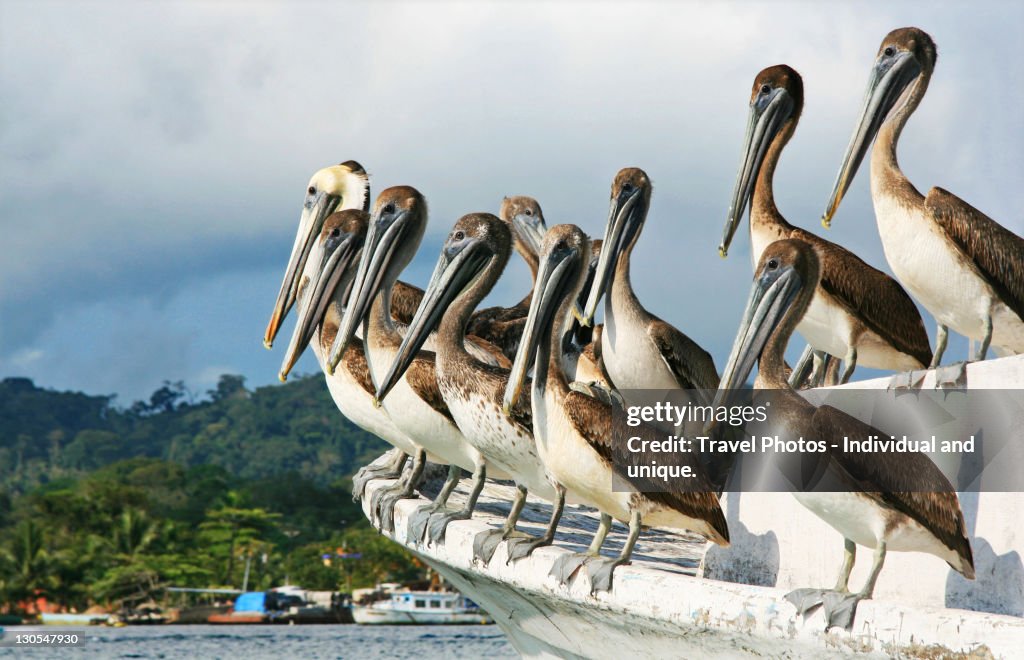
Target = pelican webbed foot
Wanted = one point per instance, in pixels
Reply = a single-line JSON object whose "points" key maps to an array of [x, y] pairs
{"points": [[806, 600], [386, 510], [420, 517], [524, 547], [599, 392], [600, 570], [838, 606], [437, 526], [485, 543], [566, 565], [385, 499], [906, 380], [951, 377], [418, 522], [391, 469], [840, 609]]}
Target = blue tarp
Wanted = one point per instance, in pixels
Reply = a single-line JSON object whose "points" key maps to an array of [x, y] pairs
{"points": [[252, 601]]}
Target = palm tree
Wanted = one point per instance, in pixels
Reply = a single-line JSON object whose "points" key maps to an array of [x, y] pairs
{"points": [[27, 564], [134, 533]]}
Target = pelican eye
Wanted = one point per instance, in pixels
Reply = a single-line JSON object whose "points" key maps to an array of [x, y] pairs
{"points": [[388, 208], [529, 211], [773, 264], [627, 188], [889, 51], [336, 232], [766, 88], [312, 190], [459, 235]]}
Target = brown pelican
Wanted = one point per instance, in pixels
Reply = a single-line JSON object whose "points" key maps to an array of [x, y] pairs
{"points": [[897, 502], [574, 432], [639, 350], [344, 186], [966, 269], [503, 326], [339, 187], [858, 313], [328, 272], [472, 259], [416, 405]]}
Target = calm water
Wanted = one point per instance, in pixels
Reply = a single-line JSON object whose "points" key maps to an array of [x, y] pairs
{"points": [[282, 642]]}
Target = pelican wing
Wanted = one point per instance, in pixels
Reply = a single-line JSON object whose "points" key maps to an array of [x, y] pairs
{"points": [[995, 251], [871, 296], [355, 363], [521, 413], [912, 485], [594, 421], [693, 367], [405, 299], [422, 378], [501, 335]]}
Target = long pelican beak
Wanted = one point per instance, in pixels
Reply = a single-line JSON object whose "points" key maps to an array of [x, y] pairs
{"points": [[890, 77], [623, 221], [459, 265], [554, 283], [333, 262], [771, 296], [767, 115], [379, 251], [314, 212], [531, 228]]}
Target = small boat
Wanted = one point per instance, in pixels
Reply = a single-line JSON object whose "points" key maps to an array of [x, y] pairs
{"points": [[236, 618], [145, 614], [249, 607], [286, 605], [423, 608], [69, 619]]}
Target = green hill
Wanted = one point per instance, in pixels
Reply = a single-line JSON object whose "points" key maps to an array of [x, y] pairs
{"points": [[106, 504]]}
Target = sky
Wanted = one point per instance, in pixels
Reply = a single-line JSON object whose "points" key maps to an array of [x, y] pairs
{"points": [[154, 156]]}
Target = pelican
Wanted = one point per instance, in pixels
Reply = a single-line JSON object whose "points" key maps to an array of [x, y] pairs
{"points": [[339, 187], [858, 313], [574, 432], [472, 259], [416, 405], [320, 292], [342, 187], [898, 502], [503, 325], [966, 269], [639, 350]]}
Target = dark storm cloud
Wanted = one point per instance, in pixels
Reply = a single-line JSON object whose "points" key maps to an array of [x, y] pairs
{"points": [[153, 155]]}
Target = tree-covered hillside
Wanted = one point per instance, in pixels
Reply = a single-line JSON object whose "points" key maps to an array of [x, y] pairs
{"points": [[103, 505], [46, 435]]}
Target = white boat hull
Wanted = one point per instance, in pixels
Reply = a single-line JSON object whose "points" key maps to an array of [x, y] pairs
{"points": [[370, 616]]}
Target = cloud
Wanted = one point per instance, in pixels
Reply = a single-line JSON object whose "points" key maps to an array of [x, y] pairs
{"points": [[156, 148]]}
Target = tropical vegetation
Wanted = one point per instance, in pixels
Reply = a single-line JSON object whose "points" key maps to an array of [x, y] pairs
{"points": [[107, 505]]}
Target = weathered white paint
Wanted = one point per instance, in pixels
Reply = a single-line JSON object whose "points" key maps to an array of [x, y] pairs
{"points": [[658, 608], [777, 542]]}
